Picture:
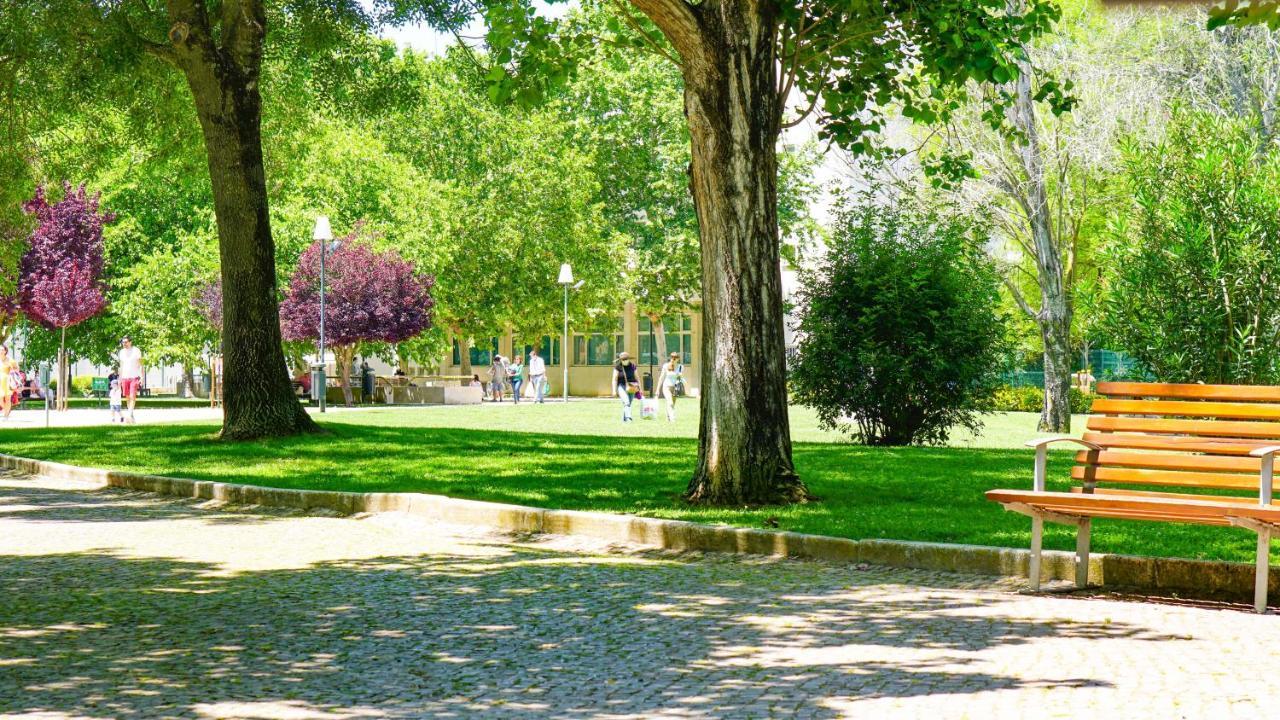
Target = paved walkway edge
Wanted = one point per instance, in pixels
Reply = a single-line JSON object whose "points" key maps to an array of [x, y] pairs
{"points": [[1194, 578]]}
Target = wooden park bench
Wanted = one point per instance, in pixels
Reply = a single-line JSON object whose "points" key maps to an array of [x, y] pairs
{"points": [[1213, 438]]}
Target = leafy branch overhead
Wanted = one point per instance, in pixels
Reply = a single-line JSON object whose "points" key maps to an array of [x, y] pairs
{"points": [[847, 64]]}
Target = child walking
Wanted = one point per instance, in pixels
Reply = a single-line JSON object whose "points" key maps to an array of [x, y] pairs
{"points": [[115, 396]]}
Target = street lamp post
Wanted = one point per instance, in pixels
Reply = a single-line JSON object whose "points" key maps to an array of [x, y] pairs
{"points": [[566, 279], [324, 235]]}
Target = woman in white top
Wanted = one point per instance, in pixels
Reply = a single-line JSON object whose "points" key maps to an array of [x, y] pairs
{"points": [[672, 375]]}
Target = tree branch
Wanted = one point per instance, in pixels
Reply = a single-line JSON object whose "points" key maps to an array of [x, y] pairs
{"points": [[649, 40], [676, 20], [1018, 298]]}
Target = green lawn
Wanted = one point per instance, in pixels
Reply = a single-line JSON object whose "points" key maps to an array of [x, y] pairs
{"points": [[581, 457]]}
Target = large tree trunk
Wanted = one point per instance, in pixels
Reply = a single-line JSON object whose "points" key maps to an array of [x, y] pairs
{"points": [[188, 380], [223, 74], [1054, 317], [731, 102]]}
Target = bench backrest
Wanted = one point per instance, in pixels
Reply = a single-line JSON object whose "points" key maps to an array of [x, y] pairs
{"points": [[1179, 435]]}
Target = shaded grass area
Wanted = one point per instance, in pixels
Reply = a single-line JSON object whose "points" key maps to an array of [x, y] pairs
{"points": [[930, 494]]}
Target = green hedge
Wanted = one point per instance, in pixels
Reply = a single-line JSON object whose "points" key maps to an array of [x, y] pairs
{"points": [[1031, 399]]}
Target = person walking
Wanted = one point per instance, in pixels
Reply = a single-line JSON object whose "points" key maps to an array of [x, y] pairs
{"points": [[10, 381], [670, 380], [497, 377], [537, 374], [514, 376], [114, 396], [130, 364], [624, 383]]}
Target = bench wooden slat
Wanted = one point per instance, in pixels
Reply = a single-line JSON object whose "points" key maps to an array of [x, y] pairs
{"points": [[1206, 428], [1171, 461], [1209, 446], [1187, 505], [1188, 408], [1157, 493], [1134, 476], [1243, 393]]}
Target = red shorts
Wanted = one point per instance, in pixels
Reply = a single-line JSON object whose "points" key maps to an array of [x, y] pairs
{"points": [[129, 386]]}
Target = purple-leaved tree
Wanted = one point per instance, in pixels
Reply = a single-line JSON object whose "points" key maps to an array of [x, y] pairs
{"points": [[370, 296], [60, 275], [208, 302]]}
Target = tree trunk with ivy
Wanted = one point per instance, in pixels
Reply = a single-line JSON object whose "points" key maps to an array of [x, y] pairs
{"points": [[223, 73]]}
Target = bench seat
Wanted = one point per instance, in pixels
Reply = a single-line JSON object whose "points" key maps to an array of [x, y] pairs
{"points": [[1132, 505], [1218, 440]]}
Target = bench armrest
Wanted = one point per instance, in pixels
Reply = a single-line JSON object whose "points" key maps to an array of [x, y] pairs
{"points": [[1268, 455], [1045, 442], [1042, 455]]}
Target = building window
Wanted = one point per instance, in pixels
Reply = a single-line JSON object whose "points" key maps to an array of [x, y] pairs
{"points": [[479, 355], [598, 348], [548, 348], [679, 329]]}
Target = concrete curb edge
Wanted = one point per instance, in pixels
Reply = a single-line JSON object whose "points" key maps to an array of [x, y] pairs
{"points": [[1188, 577]]}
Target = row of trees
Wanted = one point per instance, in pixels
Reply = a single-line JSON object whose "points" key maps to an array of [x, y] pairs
{"points": [[1058, 184], [740, 64]]}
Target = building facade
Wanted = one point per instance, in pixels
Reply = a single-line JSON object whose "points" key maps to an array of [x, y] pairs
{"points": [[592, 355]]}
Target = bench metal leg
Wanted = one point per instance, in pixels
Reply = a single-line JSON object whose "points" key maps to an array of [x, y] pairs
{"points": [[1037, 537], [1263, 569], [1082, 552]]}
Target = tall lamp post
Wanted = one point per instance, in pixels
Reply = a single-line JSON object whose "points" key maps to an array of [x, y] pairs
{"points": [[566, 279], [324, 235]]}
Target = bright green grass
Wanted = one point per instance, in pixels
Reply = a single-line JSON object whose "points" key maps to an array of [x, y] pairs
{"points": [[581, 457]]}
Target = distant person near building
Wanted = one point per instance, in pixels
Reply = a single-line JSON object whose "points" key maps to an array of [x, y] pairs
{"points": [[10, 381], [497, 377], [515, 376], [537, 374], [624, 383], [130, 363], [671, 382]]}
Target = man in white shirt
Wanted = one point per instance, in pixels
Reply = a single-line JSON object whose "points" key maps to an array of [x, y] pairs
{"points": [[537, 373], [130, 363]]}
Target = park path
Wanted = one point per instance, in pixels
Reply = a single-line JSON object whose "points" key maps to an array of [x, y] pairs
{"points": [[119, 604]]}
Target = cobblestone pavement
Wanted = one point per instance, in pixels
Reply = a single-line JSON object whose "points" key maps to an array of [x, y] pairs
{"points": [[117, 604]]}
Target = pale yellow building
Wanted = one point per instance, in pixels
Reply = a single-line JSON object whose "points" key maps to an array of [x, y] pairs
{"points": [[592, 355]]}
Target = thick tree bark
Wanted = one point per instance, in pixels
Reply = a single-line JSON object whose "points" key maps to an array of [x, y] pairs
{"points": [[223, 74], [729, 64], [1054, 316]]}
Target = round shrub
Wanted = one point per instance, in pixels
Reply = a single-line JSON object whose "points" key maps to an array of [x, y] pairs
{"points": [[900, 336]]}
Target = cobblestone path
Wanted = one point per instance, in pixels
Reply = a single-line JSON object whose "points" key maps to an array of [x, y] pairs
{"points": [[116, 604]]}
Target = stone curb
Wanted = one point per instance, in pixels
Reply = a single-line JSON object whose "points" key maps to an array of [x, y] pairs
{"points": [[1193, 578]]}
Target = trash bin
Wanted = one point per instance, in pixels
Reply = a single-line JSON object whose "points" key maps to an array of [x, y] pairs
{"points": [[648, 384], [206, 382], [366, 383], [317, 381]]}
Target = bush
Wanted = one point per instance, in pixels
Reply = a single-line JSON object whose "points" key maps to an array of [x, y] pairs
{"points": [[82, 385], [900, 336], [1192, 295], [1027, 398]]}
